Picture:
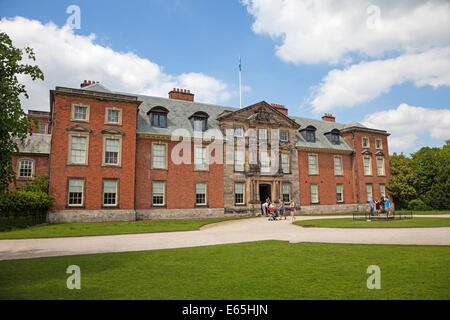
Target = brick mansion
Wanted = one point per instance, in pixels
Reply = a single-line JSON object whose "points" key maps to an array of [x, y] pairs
{"points": [[122, 157]]}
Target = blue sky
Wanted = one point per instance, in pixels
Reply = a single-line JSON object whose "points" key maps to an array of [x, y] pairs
{"points": [[286, 58]]}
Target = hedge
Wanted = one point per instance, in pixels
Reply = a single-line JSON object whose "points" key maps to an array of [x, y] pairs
{"points": [[25, 207]]}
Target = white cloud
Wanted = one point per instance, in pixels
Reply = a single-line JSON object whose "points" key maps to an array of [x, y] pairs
{"points": [[367, 80], [407, 123], [67, 59], [314, 31]]}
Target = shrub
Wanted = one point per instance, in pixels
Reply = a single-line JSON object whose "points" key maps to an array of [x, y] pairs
{"points": [[26, 206], [418, 205], [40, 184]]}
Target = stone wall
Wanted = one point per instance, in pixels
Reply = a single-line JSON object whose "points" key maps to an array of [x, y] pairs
{"points": [[336, 208], [197, 213], [76, 216]]}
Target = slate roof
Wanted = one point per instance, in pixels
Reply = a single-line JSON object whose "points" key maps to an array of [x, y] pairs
{"points": [[322, 141], [36, 144], [180, 111]]}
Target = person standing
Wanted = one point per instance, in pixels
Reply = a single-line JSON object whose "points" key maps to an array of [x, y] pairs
{"points": [[372, 206], [377, 206], [281, 209], [292, 207]]}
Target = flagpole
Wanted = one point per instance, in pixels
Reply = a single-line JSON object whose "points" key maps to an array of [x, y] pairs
{"points": [[240, 84]]}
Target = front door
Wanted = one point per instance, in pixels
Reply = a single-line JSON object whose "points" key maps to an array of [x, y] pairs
{"points": [[264, 192]]}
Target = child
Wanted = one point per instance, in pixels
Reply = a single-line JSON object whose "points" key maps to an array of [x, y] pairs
{"points": [[292, 206]]}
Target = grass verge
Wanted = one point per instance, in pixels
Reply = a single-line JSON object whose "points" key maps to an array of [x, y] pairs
{"points": [[255, 270], [107, 228], [350, 223], [432, 212]]}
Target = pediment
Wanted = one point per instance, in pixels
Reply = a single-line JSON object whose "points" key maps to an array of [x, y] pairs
{"points": [[366, 152], [379, 154], [113, 131], [78, 128], [260, 113]]}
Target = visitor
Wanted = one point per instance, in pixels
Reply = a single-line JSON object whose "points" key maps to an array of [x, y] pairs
{"points": [[292, 207], [281, 209], [271, 208], [382, 205], [265, 206], [372, 205], [388, 205], [377, 206]]}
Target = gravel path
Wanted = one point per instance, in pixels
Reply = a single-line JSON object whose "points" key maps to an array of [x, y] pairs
{"points": [[222, 233]]}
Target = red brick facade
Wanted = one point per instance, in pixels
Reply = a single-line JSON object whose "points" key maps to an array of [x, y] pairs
{"points": [[82, 117], [94, 172]]}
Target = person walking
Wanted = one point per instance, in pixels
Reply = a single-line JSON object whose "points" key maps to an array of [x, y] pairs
{"points": [[292, 207], [377, 206], [281, 209], [372, 206], [388, 205]]}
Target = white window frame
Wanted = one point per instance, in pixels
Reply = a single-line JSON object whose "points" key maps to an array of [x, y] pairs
{"points": [[342, 192], [283, 186], [341, 164], [43, 125], [119, 152], [287, 135], [86, 148], [163, 194], [382, 190], [381, 144], [206, 194], [383, 171], [368, 142], [285, 165], [367, 191], [243, 193], [119, 120], [83, 190], [265, 133], [311, 193], [153, 162], [264, 160], [239, 164], [369, 172], [19, 165], [116, 181], [201, 158], [316, 168], [72, 114]]}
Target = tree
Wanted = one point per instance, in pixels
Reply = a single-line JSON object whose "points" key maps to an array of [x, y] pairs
{"points": [[403, 180], [14, 123], [432, 166]]}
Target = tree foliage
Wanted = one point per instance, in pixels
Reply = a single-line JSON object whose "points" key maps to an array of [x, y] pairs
{"points": [[424, 176], [14, 124]]}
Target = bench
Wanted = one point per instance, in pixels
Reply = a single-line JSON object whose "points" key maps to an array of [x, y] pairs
{"points": [[382, 216]]}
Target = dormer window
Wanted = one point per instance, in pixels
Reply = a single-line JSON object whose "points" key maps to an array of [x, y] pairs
{"points": [[309, 133], [158, 117], [199, 121], [333, 136]]}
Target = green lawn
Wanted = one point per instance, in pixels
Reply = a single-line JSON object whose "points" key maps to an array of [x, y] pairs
{"points": [[104, 228], [256, 270], [350, 223], [432, 212]]}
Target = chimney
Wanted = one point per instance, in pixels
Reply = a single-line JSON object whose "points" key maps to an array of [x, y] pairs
{"points": [[328, 117], [181, 94], [280, 108], [87, 83]]}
